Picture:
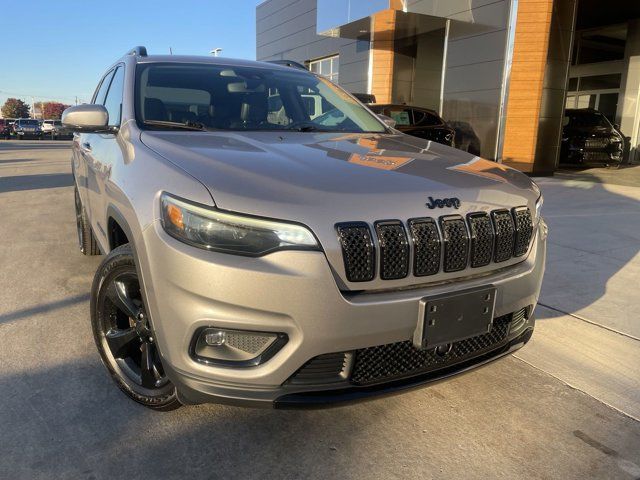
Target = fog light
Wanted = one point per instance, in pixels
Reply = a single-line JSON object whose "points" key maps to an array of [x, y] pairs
{"points": [[237, 348], [215, 338]]}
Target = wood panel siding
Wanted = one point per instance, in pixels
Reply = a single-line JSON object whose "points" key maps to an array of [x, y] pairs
{"points": [[382, 56], [526, 83]]}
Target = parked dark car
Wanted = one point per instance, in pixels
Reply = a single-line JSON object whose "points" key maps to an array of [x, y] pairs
{"points": [[417, 121], [5, 128], [27, 127], [589, 137], [365, 97]]}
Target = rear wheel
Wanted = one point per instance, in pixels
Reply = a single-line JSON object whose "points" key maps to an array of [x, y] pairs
{"points": [[86, 239], [124, 336]]}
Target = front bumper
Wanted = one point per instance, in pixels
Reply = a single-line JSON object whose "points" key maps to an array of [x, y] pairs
{"points": [[295, 293]]}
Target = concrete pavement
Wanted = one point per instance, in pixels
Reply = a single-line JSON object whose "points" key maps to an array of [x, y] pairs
{"points": [[542, 414]]}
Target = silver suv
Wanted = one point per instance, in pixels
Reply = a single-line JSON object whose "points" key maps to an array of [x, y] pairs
{"points": [[270, 241]]}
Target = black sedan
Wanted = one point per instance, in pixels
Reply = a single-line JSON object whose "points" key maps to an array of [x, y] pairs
{"points": [[417, 121]]}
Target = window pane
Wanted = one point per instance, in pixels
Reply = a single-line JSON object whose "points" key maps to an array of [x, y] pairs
{"points": [[102, 91], [600, 82], [573, 84], [113, 102]]}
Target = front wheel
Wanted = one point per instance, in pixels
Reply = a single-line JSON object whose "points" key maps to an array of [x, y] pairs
{"points": [[123, 333]]}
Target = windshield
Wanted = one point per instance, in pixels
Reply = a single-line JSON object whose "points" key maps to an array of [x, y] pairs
{"points": [[245, 98], [29, 122], [588, 119]]}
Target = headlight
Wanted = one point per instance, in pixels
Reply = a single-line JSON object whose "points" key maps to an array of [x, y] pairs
{"points": [[230, 233]]}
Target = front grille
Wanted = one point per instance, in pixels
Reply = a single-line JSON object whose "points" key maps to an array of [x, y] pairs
{"points": [[397, 360], [524, 230], [481, 239], [596, 143], [451, 243], [426, 246], [357, 251], [394, 250], [456, 243], [505, 231]]}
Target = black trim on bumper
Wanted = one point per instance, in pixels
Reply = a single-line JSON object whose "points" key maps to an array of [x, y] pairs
{"points": [[334, 398]]}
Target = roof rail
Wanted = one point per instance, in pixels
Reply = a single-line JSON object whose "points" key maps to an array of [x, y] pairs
{"points": [[288, 63], [138, 51]]}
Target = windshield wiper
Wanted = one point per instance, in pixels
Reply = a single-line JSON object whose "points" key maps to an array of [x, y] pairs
{"points": [[183, 125], [303, 127]]}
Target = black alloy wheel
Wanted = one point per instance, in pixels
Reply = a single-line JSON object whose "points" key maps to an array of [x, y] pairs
{"points": [[124, 335]]}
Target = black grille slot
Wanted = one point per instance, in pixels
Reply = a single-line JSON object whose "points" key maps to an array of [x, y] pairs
{"points": [[481, 238], [322, 369], [505, 233], [524, 230], [357, 251], [456, 243], [394, 250], [426, 245], [402, 359]]}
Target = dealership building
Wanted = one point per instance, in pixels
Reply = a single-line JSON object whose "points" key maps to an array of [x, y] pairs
{"points": [[501, 69]]}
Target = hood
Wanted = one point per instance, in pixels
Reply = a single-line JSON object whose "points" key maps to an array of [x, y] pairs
{"points": [[323, 179], [348, 177], [587, 131]]}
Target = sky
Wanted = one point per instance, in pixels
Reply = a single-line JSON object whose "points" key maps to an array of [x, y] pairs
{"points": [[57, 50]]}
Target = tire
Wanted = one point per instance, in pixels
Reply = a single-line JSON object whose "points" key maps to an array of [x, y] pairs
{"points": [[86, 239], [123, 334]]}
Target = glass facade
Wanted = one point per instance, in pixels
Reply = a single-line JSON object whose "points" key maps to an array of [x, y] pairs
{"points": [[328, 67]]}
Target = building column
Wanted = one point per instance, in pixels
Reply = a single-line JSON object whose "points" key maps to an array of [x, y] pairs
{"points": [[629, 100], [382, 55], [524, 102]]}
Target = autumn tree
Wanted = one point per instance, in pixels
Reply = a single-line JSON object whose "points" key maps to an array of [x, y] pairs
{"points": [[53, 110], [15, 108]]}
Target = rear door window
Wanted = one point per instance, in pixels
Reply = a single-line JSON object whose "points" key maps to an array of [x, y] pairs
{"points": [[402, 116]]}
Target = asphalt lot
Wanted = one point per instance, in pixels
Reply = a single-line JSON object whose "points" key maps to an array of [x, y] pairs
{"points": [[566, 406]]}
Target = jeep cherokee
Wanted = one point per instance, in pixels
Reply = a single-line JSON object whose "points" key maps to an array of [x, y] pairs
{"points": [[262, 252]]}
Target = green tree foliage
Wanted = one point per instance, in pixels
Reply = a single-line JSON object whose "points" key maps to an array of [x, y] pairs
{"points": [[15, 108]]}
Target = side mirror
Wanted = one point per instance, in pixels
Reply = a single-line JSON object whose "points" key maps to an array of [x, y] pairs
{"points": [[388, 121], [87, 119]]}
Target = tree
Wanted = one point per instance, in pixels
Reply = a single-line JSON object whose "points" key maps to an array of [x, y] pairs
{"points": [[15, 108], [53, 110]]}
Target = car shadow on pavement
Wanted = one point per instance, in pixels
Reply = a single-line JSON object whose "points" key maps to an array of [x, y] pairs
{"points": [[35, 182], [594, 237], [34, 146], [47, 307]]}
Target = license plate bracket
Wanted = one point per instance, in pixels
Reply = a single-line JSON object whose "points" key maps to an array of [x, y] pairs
{"points": [[448, 318]]}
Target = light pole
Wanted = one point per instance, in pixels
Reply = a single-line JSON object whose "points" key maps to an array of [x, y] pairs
{"points": [[216, 52]]}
